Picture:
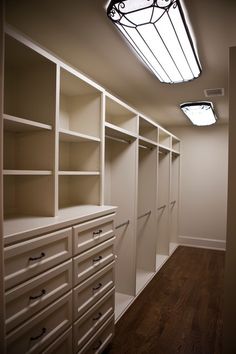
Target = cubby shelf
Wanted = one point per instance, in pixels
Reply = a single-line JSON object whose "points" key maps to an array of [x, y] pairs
{"points": [[113, 131], [17, 124], [147, 143], [26, 173], [79, 173], [70, 136]]}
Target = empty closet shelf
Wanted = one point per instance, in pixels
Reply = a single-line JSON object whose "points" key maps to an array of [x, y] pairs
{"points": [[79, 173]]}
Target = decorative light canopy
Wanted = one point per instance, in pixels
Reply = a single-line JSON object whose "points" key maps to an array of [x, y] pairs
{"points": [[200, 113], [158, 32]]}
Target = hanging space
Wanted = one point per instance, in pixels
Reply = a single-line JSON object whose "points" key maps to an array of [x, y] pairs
{"points": [[147, 199], [174, 193], [121, 191], [163, 182]]}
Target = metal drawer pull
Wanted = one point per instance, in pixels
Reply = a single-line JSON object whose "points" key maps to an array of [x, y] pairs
{"points": [[98, 287], [98, 346], [98, 316], [97, 259], [40, 335], [97, 232], [43, 292], [37, 258]]}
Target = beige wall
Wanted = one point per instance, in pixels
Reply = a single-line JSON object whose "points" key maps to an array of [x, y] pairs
{"points": [[204, 170], [230, 270]]}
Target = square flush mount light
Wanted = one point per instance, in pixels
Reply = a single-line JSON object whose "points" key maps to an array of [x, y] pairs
{"points": [[158, 31], [200, 113]]}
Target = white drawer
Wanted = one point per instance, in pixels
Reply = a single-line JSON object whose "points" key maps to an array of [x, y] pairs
{"points": [[93, 260], [93, 232], [91, 290], [91, 321], [100, 340], [41, 330], [62, 345], [30, 297], [27, 259]]}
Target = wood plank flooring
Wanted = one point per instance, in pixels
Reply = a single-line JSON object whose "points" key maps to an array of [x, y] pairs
{"points": [[180, 311]]}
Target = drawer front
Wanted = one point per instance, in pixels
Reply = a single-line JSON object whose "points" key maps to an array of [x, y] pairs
{"points": [[93, 260], [91, 290], [92, 320], [40, 331], [32, 296], [100, 340], [91, 233], [62, 345], [32, 257]]}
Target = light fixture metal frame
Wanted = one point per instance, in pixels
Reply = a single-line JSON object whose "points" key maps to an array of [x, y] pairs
{"points": [[115, 8]]}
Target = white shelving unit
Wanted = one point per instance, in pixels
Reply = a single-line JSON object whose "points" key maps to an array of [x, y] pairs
{"points": [[71, 149]]}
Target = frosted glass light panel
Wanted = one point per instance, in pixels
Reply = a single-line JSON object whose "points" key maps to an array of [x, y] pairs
{"points": [[199, 113], [158, 31]]}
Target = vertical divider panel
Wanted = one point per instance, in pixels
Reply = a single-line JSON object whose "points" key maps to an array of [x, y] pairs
{"points": [[174, 200], [102, 150], [56, 147]]}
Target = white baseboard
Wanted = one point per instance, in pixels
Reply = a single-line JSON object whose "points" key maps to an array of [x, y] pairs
{"points": [[202, 242]]}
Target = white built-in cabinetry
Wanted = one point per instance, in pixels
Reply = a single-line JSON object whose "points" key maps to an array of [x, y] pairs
{"points": [[74, 262]]}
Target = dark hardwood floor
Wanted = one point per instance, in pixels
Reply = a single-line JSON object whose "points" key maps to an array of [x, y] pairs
{"points": [[180, 311]]}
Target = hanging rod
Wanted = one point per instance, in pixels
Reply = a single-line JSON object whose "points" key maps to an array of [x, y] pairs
{"points": [[123, 224], [162, 207], [144, 147], [146, 214], [118, 139]]}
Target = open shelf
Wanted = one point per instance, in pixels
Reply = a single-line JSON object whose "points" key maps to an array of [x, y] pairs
{"points": [[164, 138], [26, 173], [149, 144], [28, 195], [79, 156], [29, 84], [78, 190], [175, 144], [113, 131], [147, 130], [28, 150], [80, 106], [120, 116], [16, 124]]}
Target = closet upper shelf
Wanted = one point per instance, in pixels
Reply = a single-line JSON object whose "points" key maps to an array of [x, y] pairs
{"points": [[70, 136], [147, 143], [17, 124], [114, 131]]}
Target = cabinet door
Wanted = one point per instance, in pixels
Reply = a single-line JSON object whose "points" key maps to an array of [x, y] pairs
{"points": [[92, 320], [91, 233], [91, 290], [93, 260], [29, 258], [30, 297], [41, 330]]}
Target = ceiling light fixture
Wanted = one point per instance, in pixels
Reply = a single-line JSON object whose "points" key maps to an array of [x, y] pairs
{"points": [[200, 113], [158, 31]]}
